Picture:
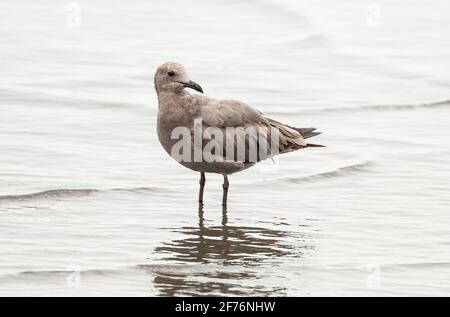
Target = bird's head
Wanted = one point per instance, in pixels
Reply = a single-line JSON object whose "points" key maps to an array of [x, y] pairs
{"points": [[172, 77]]}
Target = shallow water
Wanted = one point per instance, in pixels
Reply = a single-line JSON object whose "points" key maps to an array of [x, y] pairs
{"points": [[90, 204]]}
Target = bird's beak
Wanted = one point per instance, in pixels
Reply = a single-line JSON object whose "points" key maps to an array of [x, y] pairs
{"points": [[193, 85]]}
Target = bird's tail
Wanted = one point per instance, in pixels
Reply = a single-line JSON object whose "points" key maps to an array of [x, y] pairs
{"points": [[314, 145], [308, 133]]}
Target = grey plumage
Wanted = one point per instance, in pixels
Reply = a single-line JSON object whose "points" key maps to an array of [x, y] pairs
{"points": [[177, 107]]}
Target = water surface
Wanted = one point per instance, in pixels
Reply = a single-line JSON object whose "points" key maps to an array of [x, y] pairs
{"points": [[91, 205]]}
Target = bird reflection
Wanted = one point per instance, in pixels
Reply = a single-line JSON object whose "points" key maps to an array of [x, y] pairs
{"points": [[228, 254]]}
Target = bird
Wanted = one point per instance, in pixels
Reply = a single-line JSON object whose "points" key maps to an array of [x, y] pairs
{"points": [[180, 111]]}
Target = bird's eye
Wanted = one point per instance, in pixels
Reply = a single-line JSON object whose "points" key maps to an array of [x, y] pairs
{"points": [[171, 73]]}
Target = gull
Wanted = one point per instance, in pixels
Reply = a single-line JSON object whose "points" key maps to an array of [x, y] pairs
{"points": [[181, 111]]}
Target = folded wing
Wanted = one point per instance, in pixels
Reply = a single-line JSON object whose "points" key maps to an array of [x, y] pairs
{"points": [[249, 130]]}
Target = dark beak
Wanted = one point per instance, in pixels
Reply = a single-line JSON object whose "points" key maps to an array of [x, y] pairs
{"points": [[193, 85]]}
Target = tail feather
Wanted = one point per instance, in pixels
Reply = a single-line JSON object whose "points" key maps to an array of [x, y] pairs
{"points": [[309, 133], [315, 145], [291, 140], [306, 132]]}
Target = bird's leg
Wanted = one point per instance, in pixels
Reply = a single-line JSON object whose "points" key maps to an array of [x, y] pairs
{"points": [[200, 217], [225, 190], [224, 216], [202, 186]]}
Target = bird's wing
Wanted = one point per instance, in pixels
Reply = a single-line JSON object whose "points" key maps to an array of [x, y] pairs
{"points": [[231, 113], [225, 114]]}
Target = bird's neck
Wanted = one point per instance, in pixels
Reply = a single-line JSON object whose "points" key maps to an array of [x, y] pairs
{"points": [[170, 95], [174, 108]]}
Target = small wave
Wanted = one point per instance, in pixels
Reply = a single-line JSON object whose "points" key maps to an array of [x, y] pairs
{"points": [[66, 272], [386, 267], [176, 269], [437, 104], [59, 274], [418, 265], [430, 105], [54, 193], [61, 193], [149, 268], [187, 269], [340, 171]]}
